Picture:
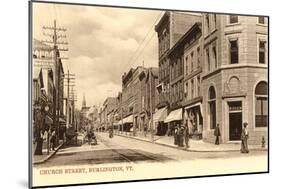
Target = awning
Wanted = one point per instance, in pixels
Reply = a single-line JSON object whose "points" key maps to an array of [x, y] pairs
{"points": [[160, 115], [128, 119], [194, 105], [174, 116], [61, 120], [48, 120]]}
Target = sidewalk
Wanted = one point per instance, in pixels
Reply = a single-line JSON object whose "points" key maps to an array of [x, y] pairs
{"points": [[195, 145], [37, 159]]}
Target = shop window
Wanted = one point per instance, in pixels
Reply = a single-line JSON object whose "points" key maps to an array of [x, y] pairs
{"points": [[262, 52], [261, 19], [212, 107], [261, 105], [233, 19], [234, 52]]}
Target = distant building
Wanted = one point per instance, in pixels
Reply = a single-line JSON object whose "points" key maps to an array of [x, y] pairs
{"points": [[149, 97]]}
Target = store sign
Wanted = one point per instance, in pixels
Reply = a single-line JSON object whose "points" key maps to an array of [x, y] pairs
{"points": [[235, 106]]}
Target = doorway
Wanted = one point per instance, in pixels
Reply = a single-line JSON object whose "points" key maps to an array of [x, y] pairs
{"points": [[235, 126], [235, 120]]}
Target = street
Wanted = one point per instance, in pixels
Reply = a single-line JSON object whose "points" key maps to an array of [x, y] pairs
{"points": [[126, 150]]}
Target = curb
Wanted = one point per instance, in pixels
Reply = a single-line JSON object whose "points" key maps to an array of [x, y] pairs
{"points": [[179, 148], [48, 157]]}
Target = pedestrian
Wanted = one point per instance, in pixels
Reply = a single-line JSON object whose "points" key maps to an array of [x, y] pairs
{"points": [[186, 135], [180, 136], [244, 139], [39, 142], [53, 139], [217, 134], [176, 135]]}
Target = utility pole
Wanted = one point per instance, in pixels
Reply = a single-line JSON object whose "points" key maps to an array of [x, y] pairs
{"points": [[151, 109], [69, 83], [54, 63]]}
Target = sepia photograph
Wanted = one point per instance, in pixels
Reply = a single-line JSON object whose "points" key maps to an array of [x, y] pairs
{"points": [[122, 94]]}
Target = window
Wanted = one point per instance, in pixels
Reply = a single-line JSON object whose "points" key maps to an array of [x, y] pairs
{"points": [[233, 19], [192, 88], [212, 107], [208, 59], [198, 57], [215, 56], [186, 64], [261, 19], [186, 90], [191, 64], [234, 52], [198, 85], [261, 110], [208, 21], [262, 52], [215, 19]]}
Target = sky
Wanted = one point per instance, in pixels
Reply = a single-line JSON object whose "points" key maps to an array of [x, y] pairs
{"points": [[103, 43]]}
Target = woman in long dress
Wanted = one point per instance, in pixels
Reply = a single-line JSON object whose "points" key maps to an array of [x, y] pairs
{"points": [[244, 139]]}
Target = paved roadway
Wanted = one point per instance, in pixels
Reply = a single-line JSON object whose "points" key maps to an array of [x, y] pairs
{"points": [[120, 149]]}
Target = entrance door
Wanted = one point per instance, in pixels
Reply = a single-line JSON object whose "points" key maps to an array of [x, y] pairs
{"points": [[235, 125]]}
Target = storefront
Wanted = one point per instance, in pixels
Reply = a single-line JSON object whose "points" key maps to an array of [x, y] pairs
{"points": [[158, 121], [126, 124], [173, 120], [193, 116]]}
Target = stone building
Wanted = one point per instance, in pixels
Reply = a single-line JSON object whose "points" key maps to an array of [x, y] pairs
{"points": [[215, 73], [234, 79]]}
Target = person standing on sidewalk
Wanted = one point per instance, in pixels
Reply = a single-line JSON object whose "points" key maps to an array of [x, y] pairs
{"points": [[180, 136], [53, 139], [186, 135], [39, 143], [176, 135], [244, 139], [217, 134]]}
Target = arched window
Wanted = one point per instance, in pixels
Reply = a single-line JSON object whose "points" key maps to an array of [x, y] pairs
{"points": [[212, 107], [261, 98]]}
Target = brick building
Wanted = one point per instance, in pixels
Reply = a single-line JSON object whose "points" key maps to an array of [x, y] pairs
{"points": [[171, 27]]}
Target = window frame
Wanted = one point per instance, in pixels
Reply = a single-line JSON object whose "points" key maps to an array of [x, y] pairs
{"points": [[231, 17], [230, 51], [262, 98]]}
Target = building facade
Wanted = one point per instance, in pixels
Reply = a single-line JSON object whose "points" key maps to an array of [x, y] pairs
{"points": [[215, 73], [234, 79]]}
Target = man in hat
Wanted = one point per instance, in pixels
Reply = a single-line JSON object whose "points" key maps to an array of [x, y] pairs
{"points": [[217, 134], [244, 139]]}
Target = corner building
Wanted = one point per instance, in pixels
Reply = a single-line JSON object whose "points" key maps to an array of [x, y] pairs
{"points": [[235, 76]]}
